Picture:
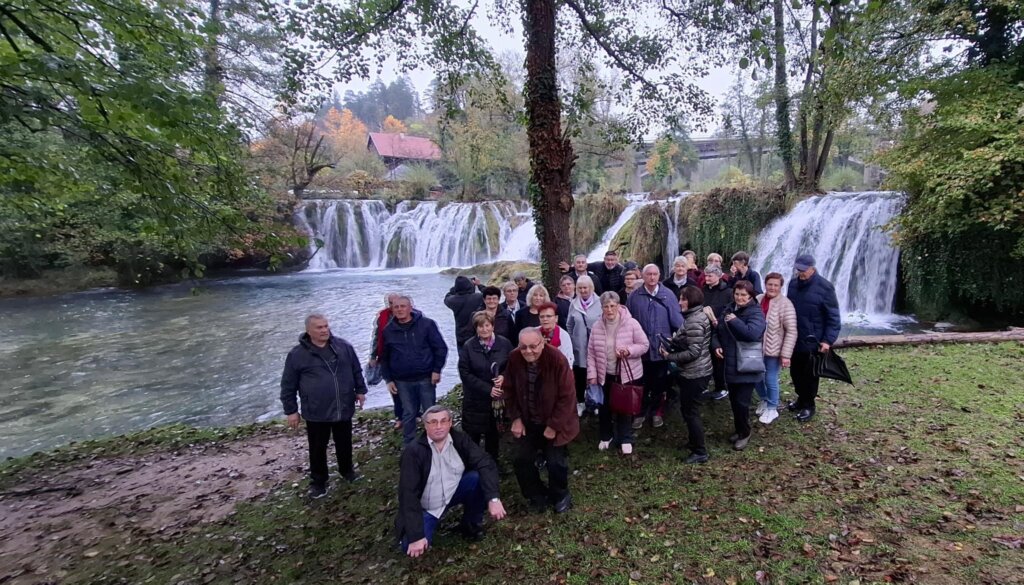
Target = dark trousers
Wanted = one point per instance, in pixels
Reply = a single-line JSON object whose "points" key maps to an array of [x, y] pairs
{"points": [[804, 382], [580, 377], [527, 473], [470, 495], [398, 406], [739, 398], [718, 371], [689, 407], [319, 434], [491, 440], [612, 425], [655, 383]]}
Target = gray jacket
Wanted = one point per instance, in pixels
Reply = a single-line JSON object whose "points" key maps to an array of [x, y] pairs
{"points": [[694, 344], [579, 324]]}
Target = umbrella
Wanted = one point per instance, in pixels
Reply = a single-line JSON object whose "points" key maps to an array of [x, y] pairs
{"points": [[498, 404], [830, 365]]}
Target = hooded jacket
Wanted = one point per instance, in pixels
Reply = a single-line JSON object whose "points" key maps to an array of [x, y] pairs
{"points": [[557, 393], [413, 350], [817, 312], [464, 300], [326, 388], [694, 344], [414, 469]]}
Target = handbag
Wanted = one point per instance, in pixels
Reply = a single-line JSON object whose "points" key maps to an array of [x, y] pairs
{"points": [[626, 398], [373, 374], [749, 357]]}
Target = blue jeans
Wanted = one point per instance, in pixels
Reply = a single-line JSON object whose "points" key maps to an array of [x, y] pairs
{"points": [[416, 397], [470, 495], [768, 390]]}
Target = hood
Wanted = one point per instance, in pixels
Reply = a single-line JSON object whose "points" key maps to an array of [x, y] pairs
{"points": [[463, 285], [623, 313], [306, 342], [416, 316]]}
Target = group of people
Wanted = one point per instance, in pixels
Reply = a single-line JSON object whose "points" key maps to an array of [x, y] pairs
{"points": [[528, 362]]}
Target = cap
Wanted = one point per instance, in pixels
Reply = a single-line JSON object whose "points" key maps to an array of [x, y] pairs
{"points": [[803, 262]]}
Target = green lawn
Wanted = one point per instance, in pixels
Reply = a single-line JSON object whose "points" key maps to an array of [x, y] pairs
{"points": [[916, 474]]}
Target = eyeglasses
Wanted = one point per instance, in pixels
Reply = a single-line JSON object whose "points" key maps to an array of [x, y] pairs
{"points": [[535, 347], [437, 422]]}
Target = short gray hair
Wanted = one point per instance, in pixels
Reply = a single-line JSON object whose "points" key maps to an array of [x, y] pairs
{"points": [[437, 408], [578, 256], [401, 297], [654, 266], [314, 317], [585, 280], [681, 260], [532, 331], [610, 297], [509, 284], [518, 275]]}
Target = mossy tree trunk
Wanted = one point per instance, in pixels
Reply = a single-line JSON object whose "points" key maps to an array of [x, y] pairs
{"points": [[551, 157]]}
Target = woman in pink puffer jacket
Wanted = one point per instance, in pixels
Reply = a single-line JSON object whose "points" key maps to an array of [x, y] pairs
{"points": [[617, 342]]}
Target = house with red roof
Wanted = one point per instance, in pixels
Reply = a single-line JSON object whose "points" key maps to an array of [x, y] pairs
{"points": [[398, 149]]}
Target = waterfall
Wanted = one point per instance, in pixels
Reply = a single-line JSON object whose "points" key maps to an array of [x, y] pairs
{"points": [[672, 241], [843, 233], [636, 201], [364, 233]]}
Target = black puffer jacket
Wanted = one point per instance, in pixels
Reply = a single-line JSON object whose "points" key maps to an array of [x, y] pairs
{"points": [[749, 325], [475, 372], [326, 388], [464, 300], [717, 297], [694, 344]]}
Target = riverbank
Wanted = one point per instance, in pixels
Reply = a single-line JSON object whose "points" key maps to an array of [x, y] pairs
{"points": [[914, 475]]}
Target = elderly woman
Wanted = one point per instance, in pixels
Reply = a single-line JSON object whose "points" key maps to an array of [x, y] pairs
{"points": [[482, 359], [742, 321], [498, 312], [680, 276], [566, 292], [584, 311], [632, 279], [617, 344], [779, 340], [528, 316], [511, 303], [690, 350], [555, 336]]}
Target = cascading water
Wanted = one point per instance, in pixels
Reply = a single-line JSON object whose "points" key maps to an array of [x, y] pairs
{"points": [[844, 234], [672, 207], [636, 201], [364, 233]]}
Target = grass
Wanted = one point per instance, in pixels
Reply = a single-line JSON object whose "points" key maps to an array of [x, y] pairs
{"points": [[906, 477]]}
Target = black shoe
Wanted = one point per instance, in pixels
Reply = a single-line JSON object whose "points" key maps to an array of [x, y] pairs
{"points": [[351, 476], [316, 491], [793, 406], [805, 415], [741, 444], [696, 458], [564, 505], [472, 533], [540, 461], [538, 506]]}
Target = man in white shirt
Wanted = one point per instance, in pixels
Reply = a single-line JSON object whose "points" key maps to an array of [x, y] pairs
{"points": [[443, 468]]}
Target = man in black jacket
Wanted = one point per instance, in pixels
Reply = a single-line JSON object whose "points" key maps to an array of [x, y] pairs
{"points": [[464, 300], [325, 373], [441, 469]]}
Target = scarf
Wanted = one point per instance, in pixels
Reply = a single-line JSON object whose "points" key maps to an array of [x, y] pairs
{"points": [[764, 304], [585, 303], [552, 337], [487, 343]]}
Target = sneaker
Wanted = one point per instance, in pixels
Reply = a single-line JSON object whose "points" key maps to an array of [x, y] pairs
{"points": [[657, 421], [768, 416], [580, 409], [316, 491], [638, 423], [696, 458], [761, 407], [627, 448], [720, 395], [741, 444], [603, 445], [734, 437]]}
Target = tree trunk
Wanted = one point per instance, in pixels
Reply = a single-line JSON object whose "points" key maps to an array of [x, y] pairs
{"points": [[823, 157], [807, 102], [551, 157], [1013, 334], [783, 130], [213, 73]]}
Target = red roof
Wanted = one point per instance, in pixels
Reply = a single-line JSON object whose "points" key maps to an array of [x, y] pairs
{"points": [[404, 146]]}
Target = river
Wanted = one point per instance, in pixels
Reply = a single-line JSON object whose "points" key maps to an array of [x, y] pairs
{"points": [[107, 362]]}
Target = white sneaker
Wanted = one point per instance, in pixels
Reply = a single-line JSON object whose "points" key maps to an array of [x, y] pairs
{"points": [[627, 448], [657, 421], [603, 445], [769, 416], [580, 408], [761, 407]]}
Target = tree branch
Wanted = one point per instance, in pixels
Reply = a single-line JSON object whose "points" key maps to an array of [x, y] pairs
{"points": [[608, 49]]}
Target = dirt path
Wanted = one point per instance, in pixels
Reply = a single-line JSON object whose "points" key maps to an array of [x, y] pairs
{"points": [[53, 520]]}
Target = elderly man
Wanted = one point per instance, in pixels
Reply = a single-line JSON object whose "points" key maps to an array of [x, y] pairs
{"points": [[658, 313], [817, 326], [411, 364], [324, 372], [608, 274], [523, 285], [442, 469], [540, 398]]}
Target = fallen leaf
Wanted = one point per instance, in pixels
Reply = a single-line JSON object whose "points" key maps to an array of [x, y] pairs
{"points": [[709, 573]]}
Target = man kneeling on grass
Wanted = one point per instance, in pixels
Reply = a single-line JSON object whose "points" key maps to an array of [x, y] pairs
{"points": [[441, 469]]}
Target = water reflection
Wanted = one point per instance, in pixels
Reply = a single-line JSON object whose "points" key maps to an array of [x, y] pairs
{"points": [[108, 362]]}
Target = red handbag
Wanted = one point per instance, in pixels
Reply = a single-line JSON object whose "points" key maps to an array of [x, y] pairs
{"points": [[626, 398]]}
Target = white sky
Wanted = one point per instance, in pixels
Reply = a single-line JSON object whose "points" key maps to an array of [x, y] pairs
{"points": [[716, 83]]}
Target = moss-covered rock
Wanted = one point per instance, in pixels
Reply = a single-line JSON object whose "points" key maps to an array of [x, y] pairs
{"points": [[499, 272], [591, 216], [642, 238], [726, 220]]}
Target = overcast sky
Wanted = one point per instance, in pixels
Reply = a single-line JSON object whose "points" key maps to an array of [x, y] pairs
{"points": [[716, 83]]}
